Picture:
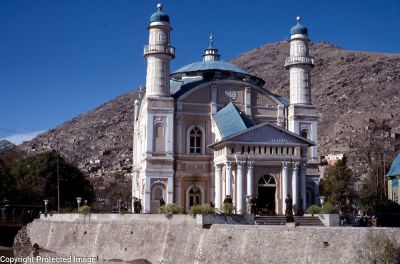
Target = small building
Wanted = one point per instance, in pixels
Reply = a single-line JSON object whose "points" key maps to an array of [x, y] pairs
{"points": [[393, 177]]}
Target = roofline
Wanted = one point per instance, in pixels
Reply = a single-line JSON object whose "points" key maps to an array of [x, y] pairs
{"points": [[225, 140]]}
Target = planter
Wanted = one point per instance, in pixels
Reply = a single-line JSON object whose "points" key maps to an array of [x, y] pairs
{"points": [[329, 219], [207, 220]]}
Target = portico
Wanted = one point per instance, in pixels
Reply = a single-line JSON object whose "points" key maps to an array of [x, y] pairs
{"points": [[239, 166]]}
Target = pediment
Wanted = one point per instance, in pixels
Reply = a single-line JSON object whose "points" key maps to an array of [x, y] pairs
{"points": [[266, 133]]}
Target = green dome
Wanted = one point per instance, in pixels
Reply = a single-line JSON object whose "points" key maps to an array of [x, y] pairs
{"points": [[298, 28], [159, 16]]}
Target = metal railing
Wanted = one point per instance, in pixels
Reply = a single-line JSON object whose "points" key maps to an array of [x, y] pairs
{"points": [[158, 48], [299, 60]]}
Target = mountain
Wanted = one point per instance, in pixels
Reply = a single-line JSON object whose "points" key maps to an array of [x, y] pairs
{"points": [[6, 145], [351, 89]]}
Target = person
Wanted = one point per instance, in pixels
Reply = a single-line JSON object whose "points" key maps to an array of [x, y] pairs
{"points": [[300, 210], [140, 205], [136, 206], [211, 204], [253, 204], [289, 209], [228, 199], [162, 202]]}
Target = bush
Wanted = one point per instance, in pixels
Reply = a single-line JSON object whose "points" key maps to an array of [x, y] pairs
{"points": [[85, 209], [313, 209], [201, 209], [171, 209], [329, 209], [68, 210], [228, 208], [378, 248]]}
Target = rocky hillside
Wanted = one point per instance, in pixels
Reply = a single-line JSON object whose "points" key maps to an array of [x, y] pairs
{"points": [[350, 89], [6, 145]]}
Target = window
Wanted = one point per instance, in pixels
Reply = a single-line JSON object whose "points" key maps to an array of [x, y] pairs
{"points": [[194, 196], [304, 133], [267, 180], [195, 141]]}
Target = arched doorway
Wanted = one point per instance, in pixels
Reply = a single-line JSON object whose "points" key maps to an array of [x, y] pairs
{"points": [[266, 194], [194, 196]]}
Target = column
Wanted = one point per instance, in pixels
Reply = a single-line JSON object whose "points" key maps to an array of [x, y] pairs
{"points": [[146, 197], [295, 186], [250, 178], [303, 179], [218, 172], [170, 190], [285, 175], [239, 184], [228, 178]]}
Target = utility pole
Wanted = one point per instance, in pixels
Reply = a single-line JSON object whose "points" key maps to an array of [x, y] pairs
{"points": [[58, 178], [58, 186]]}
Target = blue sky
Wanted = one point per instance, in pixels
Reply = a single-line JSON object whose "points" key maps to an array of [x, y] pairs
{"points": [[62, 58]]}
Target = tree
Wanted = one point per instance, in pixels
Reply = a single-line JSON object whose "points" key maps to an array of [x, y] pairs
{"points": [[36, 180], [338, 186], [379, 150]]}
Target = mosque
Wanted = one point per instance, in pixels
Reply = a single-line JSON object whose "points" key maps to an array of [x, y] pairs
{"points": [[211, 129]]}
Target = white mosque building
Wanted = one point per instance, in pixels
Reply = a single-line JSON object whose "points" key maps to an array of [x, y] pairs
{"points": [[211, 129]]}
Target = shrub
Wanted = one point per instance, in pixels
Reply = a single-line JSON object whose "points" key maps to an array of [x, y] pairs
{"points": [[85, 209], [329, 209], [313, 209], [378, 248], [68, 210], [171, 209], [228, 208], [201, 209]]}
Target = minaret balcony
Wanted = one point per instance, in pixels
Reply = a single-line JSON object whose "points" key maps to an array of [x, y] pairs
{"points": [[296, 60], [159, 48]]}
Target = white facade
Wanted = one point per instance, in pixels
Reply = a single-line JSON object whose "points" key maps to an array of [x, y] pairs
{"points": [[210, 129]]}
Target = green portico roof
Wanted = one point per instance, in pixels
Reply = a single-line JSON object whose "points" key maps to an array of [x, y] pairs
{"points": [[395, 168], [231, 120]]}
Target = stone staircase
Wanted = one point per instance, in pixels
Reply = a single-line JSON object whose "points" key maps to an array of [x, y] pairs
{"points": [[22, 244], [281, 220]]}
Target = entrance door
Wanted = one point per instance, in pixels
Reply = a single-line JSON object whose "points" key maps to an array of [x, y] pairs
{"points": [[266, 195]]}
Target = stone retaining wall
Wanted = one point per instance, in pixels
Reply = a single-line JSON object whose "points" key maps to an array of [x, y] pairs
{"points": [[180, 240]]}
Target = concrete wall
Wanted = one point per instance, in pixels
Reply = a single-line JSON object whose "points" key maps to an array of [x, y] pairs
{"points": [[180, 240]]}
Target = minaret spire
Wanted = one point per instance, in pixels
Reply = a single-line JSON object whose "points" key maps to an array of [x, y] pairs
{"points": [[211, 53]]}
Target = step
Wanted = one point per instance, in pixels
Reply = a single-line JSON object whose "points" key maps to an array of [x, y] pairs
{"points": [[281, 220]]}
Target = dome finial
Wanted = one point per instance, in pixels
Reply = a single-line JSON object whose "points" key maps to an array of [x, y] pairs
{"points": [[159, 6], [211, 40], [298, 18]]}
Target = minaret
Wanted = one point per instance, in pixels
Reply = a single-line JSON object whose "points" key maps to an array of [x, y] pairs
{"points": [[158, 53], [299, 64], [302, 117], [155, 118]]}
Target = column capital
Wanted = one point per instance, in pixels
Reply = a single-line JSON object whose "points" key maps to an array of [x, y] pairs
{"points": [[296, 165], [285, 165], [218, 166], [250, 164], [240, 163], [228, 164]]}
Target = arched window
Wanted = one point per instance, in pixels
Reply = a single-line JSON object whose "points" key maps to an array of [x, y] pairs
{"points": [[267, 180], [195, 141], [159, 138], [304, 133], [194, 196], [157, 192]]}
